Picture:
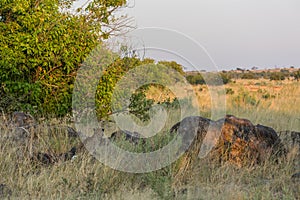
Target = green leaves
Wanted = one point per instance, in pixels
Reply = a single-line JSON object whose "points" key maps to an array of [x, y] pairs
{"points": [[40, 45]]}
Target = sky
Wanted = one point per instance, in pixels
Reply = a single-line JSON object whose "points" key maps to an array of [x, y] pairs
{"points": [[224, 34]]}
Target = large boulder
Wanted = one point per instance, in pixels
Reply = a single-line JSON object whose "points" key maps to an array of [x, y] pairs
{"points": [[230, 139]]}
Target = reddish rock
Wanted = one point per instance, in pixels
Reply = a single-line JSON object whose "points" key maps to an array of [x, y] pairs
{"points": [[234, 140]]}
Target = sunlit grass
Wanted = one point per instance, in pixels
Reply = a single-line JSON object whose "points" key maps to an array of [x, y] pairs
{"points": [[274, 104]]}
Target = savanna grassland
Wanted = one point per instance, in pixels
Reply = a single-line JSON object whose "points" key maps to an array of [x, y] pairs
{"points": [[271, 103], [43, 48]]}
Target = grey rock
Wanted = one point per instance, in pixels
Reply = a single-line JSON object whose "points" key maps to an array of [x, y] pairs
{"points": [[5, 191]]}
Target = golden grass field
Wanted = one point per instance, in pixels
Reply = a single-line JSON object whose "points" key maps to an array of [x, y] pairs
{"points": [[271, 103]]}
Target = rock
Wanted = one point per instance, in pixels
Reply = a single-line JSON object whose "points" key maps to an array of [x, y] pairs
{"points": [[90, 145], [233, 139], [68, 155], [48, 158], [21, 123], [134, 137], [193, 130], [43, 158], [5, 191], [72, 133], [295, 138], [290, 138], [21, 119], [268, 143], [296, 177], [249, 143]]}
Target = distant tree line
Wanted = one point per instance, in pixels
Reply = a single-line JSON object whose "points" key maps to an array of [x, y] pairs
{"points": [[227, 76], [280, 75], [209, 78]]}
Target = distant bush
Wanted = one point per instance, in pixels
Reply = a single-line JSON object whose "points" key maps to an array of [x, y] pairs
{"points": [[210, 78], [277, 76], [229, 91], [249, 75], [296, 75], [195, 79], [226, 78], [267, 96], [245, 98]]}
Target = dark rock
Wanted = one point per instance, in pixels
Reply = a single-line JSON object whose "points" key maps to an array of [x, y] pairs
{"points": [[134, 137], [44, 158], [21, 119], [233, 139], [192, 130], [5, 191], [21, 123], [72, 133], [48, 158], [295, 138], [268, 140], [68, 155], [290, 139], [296, 177], [91, 143]]}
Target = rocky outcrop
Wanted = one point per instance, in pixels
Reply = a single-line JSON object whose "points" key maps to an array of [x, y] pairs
{"points": [[232, 139], [51, 158]]}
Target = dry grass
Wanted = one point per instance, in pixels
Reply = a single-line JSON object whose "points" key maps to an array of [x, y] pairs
{"points": [[274, 104]]}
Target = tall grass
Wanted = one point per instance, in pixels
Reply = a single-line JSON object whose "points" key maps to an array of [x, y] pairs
{"points": [[86, 178]]}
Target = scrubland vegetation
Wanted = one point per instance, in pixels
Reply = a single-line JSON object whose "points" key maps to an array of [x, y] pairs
{"points": [[42, 47], [272, 103]]}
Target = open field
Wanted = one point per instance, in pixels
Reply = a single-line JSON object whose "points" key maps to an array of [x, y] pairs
{"points": [[271, 103]]}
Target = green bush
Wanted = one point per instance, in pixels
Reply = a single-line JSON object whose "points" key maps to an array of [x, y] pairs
{"points": [[195, 79], [277, 76], [41, 49], [138, 103], [249, 75], [296, 75], [229, 91], [244, 98], [210, 78]]}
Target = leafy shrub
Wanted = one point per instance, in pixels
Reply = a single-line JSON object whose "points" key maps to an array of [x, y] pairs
{"points": [[229, 91], [277, 76], [226, 78], [249, 75], [138, 105], [296, 75], [195, 79], [267, 96], [41, 49], [244, 98], [210, 78]]}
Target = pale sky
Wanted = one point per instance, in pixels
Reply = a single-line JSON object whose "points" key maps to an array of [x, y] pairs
{"points": [[235, 33]]}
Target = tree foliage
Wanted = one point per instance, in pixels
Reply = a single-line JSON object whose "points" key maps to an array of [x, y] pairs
{"points": [[211, 78], [42, 45], [139, 105], [277, 76], [296, 75]]}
